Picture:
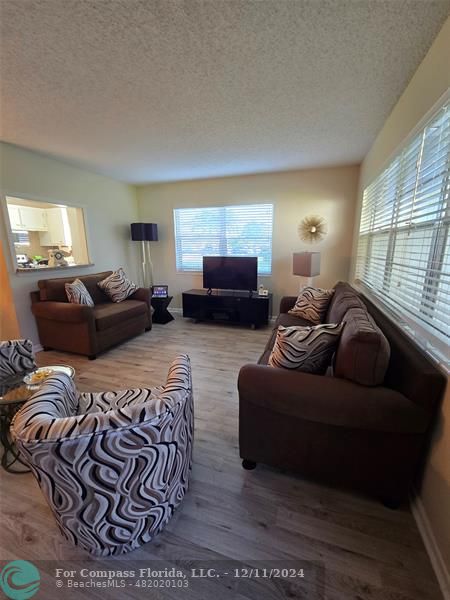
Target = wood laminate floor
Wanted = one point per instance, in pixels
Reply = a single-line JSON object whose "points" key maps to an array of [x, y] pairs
{"points": [[351, 546]]}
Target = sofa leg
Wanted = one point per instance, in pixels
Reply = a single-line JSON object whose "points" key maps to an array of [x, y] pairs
{"points": [[46, 348], [92, 356], [249, 465], [147, 328]]}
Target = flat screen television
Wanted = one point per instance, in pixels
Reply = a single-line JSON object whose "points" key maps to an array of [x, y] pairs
{"points": [[230, 272]]}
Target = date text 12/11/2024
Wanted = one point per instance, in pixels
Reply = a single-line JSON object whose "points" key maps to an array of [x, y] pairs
{"points": [[249, 573]]}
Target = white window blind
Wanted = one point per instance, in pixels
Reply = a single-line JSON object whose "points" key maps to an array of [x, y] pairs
{"points": [[21, 238], [403, 252], [223, 231]]}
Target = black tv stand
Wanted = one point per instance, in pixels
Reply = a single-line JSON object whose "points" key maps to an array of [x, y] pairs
{"points": [[227, 306]]}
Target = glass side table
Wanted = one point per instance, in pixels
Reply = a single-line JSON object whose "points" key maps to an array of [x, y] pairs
{"points": [[13, 393]]}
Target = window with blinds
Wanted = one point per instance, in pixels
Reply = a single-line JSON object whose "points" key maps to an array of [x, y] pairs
{"points": [[403, 252], [21, 238], [223, 231]]}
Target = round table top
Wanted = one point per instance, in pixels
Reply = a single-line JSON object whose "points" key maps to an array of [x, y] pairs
{"points": [[14, 390]]}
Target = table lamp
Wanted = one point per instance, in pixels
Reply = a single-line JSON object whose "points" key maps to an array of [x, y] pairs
{"points": [[144, 233], [306, 264]]}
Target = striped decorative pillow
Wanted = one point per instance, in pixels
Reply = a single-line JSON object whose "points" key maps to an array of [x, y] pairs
{"points": [[307, 349], [117, 286], [312, 304], [77, 293]]}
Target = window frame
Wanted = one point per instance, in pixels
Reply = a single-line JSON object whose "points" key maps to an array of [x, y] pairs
{"points": [[434, 344], [9, 241], [222, 206]]}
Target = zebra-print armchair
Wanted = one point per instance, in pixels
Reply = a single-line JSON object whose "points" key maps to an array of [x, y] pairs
{"points": [[113, 466], [16, 356]]}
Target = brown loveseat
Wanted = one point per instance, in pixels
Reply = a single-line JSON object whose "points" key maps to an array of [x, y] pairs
{"points": [[365, 426], [85, 329]]}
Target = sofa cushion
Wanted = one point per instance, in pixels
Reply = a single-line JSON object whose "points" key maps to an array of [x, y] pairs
{"points": [[54, 289], [288, 320], [90, 281], [109, 314], [329, 401], [77, 293], [363, 352], [411, 371], [286, 303], [117, 286], [306, 349], [312, 304], [344, 298]]}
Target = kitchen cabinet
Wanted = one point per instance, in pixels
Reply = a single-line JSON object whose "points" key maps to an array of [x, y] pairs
{"points": [[14, 217], [33, 219], [58, 230], [27, 218]]}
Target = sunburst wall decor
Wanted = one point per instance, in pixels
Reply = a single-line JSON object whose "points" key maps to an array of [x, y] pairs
{"points": [[312, 229]]}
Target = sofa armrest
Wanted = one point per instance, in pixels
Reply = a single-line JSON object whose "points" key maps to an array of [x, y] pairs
{"points": [[63, 311], [286, 303], [144, 295], [329, 400], [35, 297]]}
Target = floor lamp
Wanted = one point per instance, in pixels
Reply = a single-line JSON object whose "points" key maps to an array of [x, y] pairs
{"points": [[306, 264], [144, 233]]}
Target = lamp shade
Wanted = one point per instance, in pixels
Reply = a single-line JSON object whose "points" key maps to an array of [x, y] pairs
{"points": [[306, 264], [144, 232], [151, 231]]}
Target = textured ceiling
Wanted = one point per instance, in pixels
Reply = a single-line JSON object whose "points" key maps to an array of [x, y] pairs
{"points": [[147, 90]]}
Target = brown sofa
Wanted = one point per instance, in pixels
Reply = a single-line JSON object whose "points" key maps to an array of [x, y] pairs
{"points": [[85, 329], [365, 425]]}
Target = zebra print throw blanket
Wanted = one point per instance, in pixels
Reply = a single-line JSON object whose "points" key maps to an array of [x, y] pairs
{"points": [[16, 356], [312, 304], [117, 286], [77, 293], [306, 349], [114, 474]]}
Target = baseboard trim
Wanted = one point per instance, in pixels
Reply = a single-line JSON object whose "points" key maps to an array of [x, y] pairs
{"points": [[431, 545]]}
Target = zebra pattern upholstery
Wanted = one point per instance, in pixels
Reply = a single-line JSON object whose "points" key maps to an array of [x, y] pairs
{"points": [[16, 356], [112, 466], [90, 402]]}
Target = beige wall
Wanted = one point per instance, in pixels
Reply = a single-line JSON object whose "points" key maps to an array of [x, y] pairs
{"points": [[110, 207], [430, 81], [330, 193]]}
